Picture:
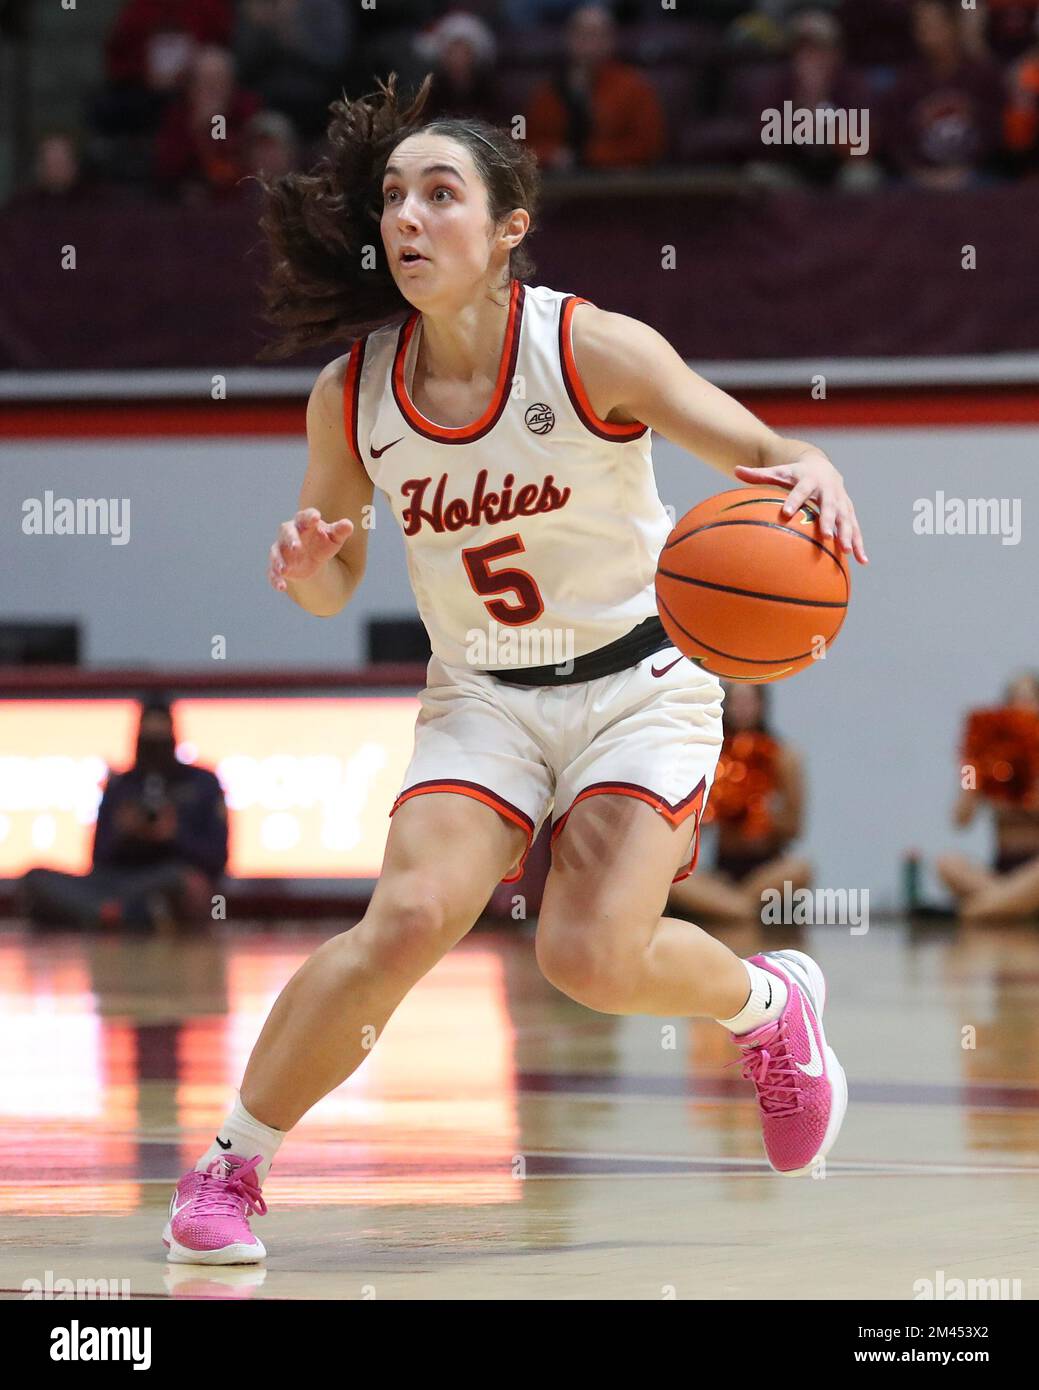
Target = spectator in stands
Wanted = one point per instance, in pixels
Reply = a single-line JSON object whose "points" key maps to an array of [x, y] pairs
{"points": [[1021, 117], [1001, 29], [526, 14], [595, 112], [386, 35], [462, 53], [272, 146], [292, 54], [816, 77], [200, 147], [147, 57], [147, 28], [160, 845], [943, 117], [58, 177]]}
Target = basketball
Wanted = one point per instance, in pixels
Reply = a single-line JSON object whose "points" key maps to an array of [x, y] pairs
{"points": [[748, 594]]}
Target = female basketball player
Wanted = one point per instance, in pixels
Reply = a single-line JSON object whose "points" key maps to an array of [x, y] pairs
{"points": [[509, 427], [746, 867]]}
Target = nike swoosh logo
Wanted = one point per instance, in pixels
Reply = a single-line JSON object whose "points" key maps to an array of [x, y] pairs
{"points": [[768, 1001], [814, 1065], [224, 1143], [668, 667], [378, 453], [174, 1209]]}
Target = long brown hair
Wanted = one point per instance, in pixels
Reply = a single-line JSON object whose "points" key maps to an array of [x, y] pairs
{"points": [[329, 280]]}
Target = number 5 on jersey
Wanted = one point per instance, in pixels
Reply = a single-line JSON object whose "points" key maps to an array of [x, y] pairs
{"points": [[484, 580]]}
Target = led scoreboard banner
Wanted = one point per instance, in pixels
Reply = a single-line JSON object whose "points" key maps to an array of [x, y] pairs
{"points": [[309, 781]]}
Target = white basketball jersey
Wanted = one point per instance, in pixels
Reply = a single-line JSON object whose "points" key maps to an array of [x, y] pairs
{"points": [[538, 519]]}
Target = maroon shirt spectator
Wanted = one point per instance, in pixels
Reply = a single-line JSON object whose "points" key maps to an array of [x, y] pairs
{"points": [[816, 76], [293, 54], [943, 118], [188, 155], [1009, 26], [135, 44], [595, 112], [462, 53]]}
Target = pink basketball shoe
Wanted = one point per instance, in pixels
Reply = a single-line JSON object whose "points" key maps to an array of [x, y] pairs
{"points": [[802, 1089], [209, 1214]]}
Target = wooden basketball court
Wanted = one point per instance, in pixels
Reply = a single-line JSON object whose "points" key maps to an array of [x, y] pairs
{"points": [[504, 1142]]}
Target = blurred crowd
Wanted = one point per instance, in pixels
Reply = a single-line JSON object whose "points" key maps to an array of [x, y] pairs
{"points": [[199, 94]]}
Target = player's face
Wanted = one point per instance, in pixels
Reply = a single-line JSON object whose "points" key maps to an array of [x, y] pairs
{"points": [[435, 203]]}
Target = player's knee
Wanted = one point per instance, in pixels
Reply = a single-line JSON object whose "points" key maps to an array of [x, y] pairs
{"points": [[414, 921], [581, 963]]}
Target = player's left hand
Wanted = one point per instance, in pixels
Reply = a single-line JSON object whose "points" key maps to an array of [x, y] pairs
{"points": [[811, 477]]}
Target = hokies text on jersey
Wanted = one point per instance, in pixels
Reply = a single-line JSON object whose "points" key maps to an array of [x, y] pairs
{"points": [[483, 506]]}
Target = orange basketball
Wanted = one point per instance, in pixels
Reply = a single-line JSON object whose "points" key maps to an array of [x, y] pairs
{"points": [[747, 594]]}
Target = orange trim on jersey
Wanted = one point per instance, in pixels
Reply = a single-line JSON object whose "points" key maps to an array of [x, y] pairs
{"points": [[605, 429], [691, 805], [489, 798], [351, 396], [463, 434]]}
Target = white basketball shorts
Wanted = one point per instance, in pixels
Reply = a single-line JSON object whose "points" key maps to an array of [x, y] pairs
{"points": [[652, 731]]}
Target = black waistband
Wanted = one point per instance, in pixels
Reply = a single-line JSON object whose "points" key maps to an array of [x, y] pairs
{"points": [[629, 650]]}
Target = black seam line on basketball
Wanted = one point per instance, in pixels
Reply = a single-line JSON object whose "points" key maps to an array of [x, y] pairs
{"points": [[766, 501], [753, 593], [772, 525], [716, 651], [745, 521], [750, 502]]}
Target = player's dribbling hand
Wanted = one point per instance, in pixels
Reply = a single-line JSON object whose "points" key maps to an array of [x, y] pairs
{"points": [[304, 544], [811, 477]]}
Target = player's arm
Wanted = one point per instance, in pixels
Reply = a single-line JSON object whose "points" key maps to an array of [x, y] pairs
{"points": [[319, 556], [631, 372]]}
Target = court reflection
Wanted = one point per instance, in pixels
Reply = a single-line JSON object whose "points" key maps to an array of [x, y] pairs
{"points": [[118, 1059]]}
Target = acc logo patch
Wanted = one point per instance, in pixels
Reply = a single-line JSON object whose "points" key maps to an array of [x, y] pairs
{"points": [[539, 418]]}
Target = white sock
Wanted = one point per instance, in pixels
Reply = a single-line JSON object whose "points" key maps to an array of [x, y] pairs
{"points": [[244, 1135], [767, 1000]]}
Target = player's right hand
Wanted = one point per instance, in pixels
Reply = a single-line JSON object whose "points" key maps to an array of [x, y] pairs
{"points": [[304, 544]]}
